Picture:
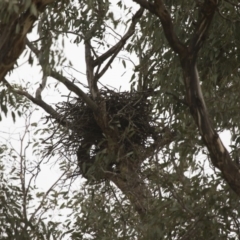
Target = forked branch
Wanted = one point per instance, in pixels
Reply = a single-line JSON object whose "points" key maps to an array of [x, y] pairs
{"points": [[71, 86], [220, 157], [117, 47], [91, 63], [159, 9]]}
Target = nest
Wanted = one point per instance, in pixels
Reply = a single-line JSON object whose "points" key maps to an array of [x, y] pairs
{"points": [[130, 112]]}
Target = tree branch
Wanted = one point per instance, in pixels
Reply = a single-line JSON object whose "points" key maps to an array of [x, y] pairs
{"points": [[12, 42], [113, 52], [92, 82], [38, 102], [135, 189], [220, 156], [71, 86], [206, 13], [158, 8], [45, 196], [117, 47]]}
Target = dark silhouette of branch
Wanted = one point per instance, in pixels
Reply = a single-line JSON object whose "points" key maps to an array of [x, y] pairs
{"points": [[111, 53], [12, 43], [71, 86], [117, 47], [38, 102], [159, 9]]}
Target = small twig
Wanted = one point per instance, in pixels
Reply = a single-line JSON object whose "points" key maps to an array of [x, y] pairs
{"points": [[114, 31], [45, 196]]}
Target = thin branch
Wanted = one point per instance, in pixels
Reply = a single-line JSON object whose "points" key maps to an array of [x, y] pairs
{"points": [[71, 86], [45, 196], [116, 197], [98, 76], [66, 32], [117, 47], [38, 102], [33, 48], [114, 32], [22, 156]]}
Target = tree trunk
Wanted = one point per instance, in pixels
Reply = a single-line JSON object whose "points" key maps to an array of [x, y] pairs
{"points": [[220, 157]]}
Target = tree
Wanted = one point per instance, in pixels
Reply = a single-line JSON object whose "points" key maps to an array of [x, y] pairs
{"points": [[138, 149], [23, 205]]}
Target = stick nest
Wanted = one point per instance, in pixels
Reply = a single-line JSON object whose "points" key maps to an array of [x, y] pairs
{"points": [[130, 112]]}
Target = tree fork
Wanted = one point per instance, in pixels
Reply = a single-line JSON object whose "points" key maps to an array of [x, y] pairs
{"points": [[220, 157]]}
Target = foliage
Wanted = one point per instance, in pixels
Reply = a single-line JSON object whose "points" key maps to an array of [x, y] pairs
{"points": [[150, 159], [23, 205]]}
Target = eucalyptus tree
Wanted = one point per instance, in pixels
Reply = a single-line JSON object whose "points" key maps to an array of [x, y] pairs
{"points": [[152, 155]]}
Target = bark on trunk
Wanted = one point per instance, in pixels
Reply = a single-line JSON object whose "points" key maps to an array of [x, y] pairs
{"points": [[134, 188], [12, 43], [220, 157]]}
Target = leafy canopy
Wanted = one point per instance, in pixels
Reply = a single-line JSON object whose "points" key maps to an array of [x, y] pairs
{"points": [[151, 156]]}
